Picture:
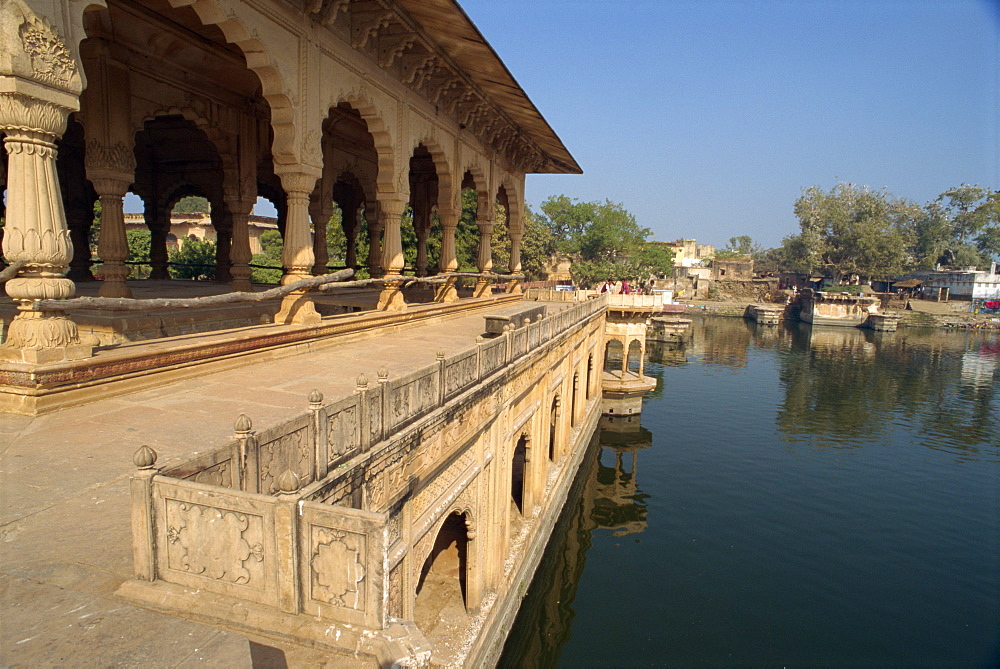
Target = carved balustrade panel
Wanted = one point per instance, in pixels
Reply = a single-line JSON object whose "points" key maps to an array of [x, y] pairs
{"points": [[519, 342], [286, 447], [343, 431], [460, 372], [220, 467], [411, 396], [493, 354], [221, 543], [341, 553]]}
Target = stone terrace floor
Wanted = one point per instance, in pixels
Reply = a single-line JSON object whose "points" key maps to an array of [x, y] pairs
{"points": [[65, 538]]}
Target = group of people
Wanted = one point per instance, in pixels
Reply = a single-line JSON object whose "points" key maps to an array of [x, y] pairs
{"points": [[623, 288]]}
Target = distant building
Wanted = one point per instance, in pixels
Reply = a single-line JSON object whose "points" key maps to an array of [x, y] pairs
{"points": [[732, 269], [688, 253], [960, 284], [199, 226]]}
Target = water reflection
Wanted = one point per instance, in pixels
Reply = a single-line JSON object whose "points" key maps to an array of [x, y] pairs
{"points": [[848, 387], [605, 496]]}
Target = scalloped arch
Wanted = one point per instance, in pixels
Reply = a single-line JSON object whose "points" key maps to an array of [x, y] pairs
{"points": [[441, 166], [385, 186], [260, 62]]}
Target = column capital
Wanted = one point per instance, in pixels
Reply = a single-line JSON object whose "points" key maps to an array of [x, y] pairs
{"points": [[300, 180], [23, 117]]}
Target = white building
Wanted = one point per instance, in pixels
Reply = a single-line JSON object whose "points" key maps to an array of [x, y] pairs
{"points": [[963, 284]]}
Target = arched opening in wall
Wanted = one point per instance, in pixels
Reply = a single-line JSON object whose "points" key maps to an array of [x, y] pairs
{"points": [[589, 383], [614, 351], [421, 249], [635, 356], [218, 125], [518, 470], [350, 172], [177, 164], [500, 241], [466, 231], [442, 589], [554, 427], [266, 242], [573, 398]]}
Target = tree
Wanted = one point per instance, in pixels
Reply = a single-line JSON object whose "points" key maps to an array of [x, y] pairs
{"points": [[605, 238], [537, 245], [196, 260], [852, 230], [138, 252], [270, 258], [192, 204], [740, 247]]}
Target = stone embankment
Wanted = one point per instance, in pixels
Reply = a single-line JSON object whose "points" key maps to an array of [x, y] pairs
{"points": [[920, 314]]}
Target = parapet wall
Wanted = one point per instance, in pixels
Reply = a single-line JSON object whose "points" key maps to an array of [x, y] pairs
{"points": [[317, 530]]}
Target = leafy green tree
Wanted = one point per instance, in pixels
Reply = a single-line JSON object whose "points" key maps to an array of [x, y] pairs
{"points": [[196, 260], [852, 230], [138, 252], [606, 238], [270, 258], [538, 244], [192, 204]]}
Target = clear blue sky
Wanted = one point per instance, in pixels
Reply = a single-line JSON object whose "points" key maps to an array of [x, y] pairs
{"points": [[706, 118]]}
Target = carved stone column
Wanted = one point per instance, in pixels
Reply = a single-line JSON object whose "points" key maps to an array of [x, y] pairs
{"points": [[239, 251], [320, 212], [390, 214], [80, 219], [297, 256], [375, 227], [36, 233], [112, 245], [448, 261], [422, 234], [485, 261], [158, 222], [514, 285], [350, 220]]}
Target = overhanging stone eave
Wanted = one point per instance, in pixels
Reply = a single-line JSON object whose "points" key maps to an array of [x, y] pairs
{"points": [[447, 24]]}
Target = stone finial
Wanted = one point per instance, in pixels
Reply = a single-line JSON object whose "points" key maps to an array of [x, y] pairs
{"points": [[383, 374], [243, 424], [479, 339], [440, 354], [145, 457], [289, 483], [508, 327], [315, 399], [362, 381]]}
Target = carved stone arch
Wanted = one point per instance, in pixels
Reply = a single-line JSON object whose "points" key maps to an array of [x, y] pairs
{"points": [[442, 166], [482, 187], [260, 61], [515, 199], [385, 185], [219, 138]]}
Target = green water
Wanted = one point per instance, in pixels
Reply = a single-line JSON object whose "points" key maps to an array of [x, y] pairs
{"points": [[793, 496]]}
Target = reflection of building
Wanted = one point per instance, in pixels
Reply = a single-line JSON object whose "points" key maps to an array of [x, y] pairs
{"points": [[199, 226], [602, 497], [978, 367]]}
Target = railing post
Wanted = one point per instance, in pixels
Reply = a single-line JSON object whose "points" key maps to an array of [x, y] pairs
{"points": [[321, 441], [249, 481], [286, 532], [383, 380], [442, 386], [479, 356], [141, 491], [364, 433]]}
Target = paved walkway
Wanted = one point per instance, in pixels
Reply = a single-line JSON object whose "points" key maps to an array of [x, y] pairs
{"points": [[65, 539]]}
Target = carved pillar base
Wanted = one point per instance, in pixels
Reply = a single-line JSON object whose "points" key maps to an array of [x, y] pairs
{"points": [[298, 309], [483, 288], [39, 337], [391, 298], [513, 287], [446, 292]]}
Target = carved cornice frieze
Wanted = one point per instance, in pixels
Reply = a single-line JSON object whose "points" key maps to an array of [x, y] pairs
{"points": [[392, 42], [367, 17]]}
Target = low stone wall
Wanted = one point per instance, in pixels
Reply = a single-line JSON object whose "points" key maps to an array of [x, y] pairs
{"points": [[315, 530]]}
